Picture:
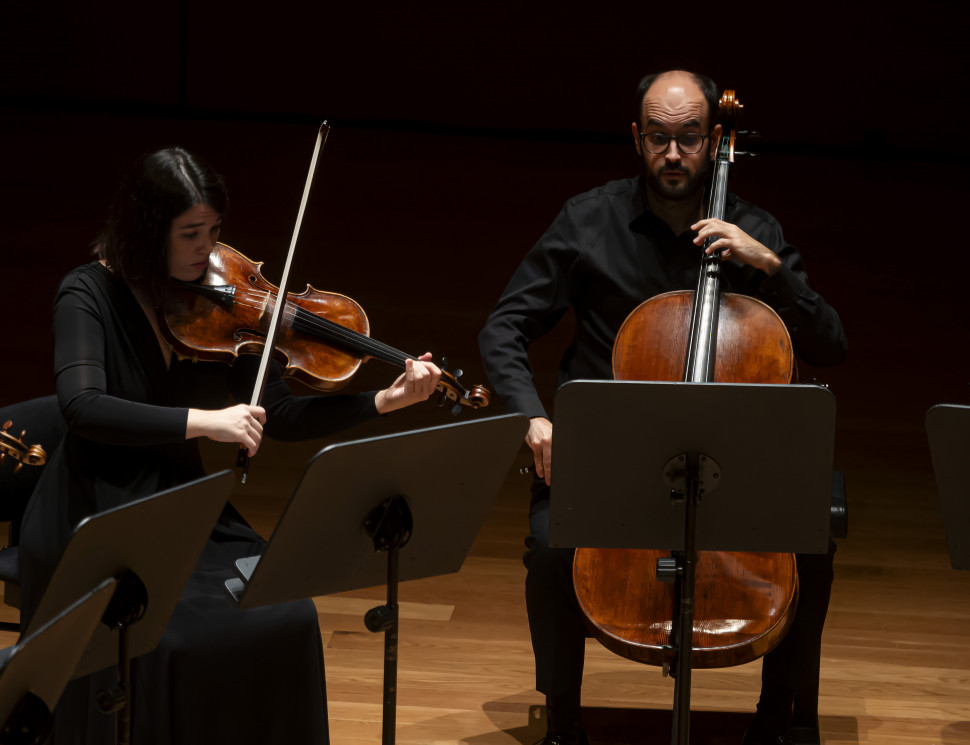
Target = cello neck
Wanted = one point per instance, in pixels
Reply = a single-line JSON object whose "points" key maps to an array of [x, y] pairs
{"points": [[702, 341]]}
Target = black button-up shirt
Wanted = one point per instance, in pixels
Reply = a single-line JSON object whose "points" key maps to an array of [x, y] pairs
{"points": [[605, 254]]}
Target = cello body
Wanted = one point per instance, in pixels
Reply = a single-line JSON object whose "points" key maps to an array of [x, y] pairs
{"points": [[743, 602]]}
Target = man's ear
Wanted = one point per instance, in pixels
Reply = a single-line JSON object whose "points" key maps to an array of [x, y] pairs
{"points": [[715, 140], [635, 128]]}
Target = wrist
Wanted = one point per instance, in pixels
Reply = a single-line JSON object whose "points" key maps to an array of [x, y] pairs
{"points": [[382, 402], [772, 264], [195, 424]]}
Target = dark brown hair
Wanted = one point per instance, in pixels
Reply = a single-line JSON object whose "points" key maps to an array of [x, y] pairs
{"points": [[159, 188]]}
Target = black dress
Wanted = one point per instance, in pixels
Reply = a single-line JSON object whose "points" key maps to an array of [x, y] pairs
{"points": [[220, 674]]}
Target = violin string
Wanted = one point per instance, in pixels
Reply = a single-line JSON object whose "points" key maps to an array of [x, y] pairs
{"points": [[304, 320], [335, 332]]}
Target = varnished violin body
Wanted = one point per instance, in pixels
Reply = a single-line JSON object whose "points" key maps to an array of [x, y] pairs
{"points": [[322, 341]]}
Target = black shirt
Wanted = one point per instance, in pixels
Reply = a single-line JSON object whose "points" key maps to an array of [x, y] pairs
{"points": [[605, 254], [127, 413]]}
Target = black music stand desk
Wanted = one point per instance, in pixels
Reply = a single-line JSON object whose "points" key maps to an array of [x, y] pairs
{"points": [[135, 539], [434, 486], [762, 475], [948, 430], [34, 672]]}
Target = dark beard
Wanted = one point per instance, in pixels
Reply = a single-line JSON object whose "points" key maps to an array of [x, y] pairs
{"points": [[692, 183]]}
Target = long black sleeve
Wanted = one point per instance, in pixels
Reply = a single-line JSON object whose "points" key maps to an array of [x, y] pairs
{"points": [[290, 418], [81, 361], [606, 253]]}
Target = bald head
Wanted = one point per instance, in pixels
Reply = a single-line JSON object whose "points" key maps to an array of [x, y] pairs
{"points": [[675, 90]]}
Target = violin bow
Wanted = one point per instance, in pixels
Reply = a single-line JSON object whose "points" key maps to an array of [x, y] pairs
{"points": [[243, 458]]}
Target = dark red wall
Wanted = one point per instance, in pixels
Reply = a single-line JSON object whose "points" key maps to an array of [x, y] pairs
{"points": [[460, 130]]}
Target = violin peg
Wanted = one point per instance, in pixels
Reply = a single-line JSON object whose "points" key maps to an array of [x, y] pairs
{"points": [[444, 363], [456, 409], [457, 373]]}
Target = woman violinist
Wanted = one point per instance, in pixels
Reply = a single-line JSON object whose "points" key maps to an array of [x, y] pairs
{"points": [[135, 413]]}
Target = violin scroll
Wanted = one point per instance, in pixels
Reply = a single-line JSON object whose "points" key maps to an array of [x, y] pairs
{"points": [[32, 455], [477, 397]]}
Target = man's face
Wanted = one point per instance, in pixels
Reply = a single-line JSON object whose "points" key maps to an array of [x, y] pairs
{"points": [[674, 105]]}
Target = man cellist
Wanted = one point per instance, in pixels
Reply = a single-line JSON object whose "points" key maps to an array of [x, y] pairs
{"points": [[608, 250]]}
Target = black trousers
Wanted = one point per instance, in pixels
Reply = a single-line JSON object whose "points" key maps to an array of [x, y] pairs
{"points": [[789, 673]]}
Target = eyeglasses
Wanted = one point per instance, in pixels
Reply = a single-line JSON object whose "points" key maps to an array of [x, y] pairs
{"points": [[658, 142]]}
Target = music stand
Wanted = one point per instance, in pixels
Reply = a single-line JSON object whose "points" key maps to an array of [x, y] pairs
{"points": [[759, 456], [133, 543], [948, 431], [360, 499], [34, 672]]}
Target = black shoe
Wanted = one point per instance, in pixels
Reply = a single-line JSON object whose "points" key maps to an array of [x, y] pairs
{"points": [[563, 738], [805, 736], [755, 736]]}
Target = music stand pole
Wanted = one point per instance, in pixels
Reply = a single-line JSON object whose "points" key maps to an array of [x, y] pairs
{"points": [[389, 526], [685, 627], [125, 609], [390, 653]]}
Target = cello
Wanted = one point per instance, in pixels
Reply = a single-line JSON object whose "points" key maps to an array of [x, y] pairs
{"points": [[743, 602]]}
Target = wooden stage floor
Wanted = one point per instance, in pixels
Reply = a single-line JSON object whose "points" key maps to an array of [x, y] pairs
{"points": [[895, 655]]}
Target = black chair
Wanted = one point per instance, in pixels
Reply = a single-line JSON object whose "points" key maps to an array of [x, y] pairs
{"points": [[44, 425]]}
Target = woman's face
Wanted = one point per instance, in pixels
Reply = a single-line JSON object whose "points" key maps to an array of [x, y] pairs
{"points": [[191, 239]]}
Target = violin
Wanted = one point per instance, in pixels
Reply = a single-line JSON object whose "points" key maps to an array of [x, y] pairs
{"points": [[744, 601], [323, 339], [18, 450]]}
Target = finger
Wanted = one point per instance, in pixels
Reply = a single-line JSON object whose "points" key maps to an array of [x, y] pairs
{"points": [[248, 443], [547, 464], [537, 462], [430, 383], [719, 245], [258, 413]]}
